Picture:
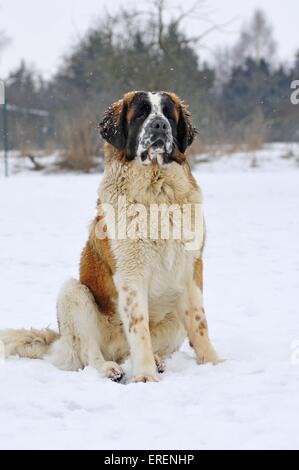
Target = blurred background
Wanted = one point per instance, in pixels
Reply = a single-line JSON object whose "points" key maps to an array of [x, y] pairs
{"points": [[64, 62]]}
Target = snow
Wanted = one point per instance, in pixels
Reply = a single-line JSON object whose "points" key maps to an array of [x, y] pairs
{"points": [[251, 401], [272, 157]]}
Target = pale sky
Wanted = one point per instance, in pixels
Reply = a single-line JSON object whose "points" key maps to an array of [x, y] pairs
{"points": [[42, 31]]}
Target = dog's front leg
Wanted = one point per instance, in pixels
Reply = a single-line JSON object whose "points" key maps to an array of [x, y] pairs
{"points": [[195, 322], [133, 310]]}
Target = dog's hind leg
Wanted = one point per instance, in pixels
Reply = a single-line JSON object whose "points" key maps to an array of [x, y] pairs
{"points": [[80, 343]]}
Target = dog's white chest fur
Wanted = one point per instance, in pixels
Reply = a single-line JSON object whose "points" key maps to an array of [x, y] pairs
{"points": [[170, 267]]}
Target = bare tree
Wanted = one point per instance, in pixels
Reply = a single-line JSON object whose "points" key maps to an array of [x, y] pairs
{"points": [[256, 40]]}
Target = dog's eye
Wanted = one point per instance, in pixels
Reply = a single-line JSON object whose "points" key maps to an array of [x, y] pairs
{"points": [[143, 111], [168, 113]]}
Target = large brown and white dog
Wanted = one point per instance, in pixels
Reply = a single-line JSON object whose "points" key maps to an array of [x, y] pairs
{"points": [[136, 296]]}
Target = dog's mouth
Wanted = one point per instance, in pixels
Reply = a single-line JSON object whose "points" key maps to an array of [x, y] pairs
{"points": [[158, 145], [156, 152]]}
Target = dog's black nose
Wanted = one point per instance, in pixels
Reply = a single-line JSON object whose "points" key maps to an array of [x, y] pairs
{"points": [[159, 125]]}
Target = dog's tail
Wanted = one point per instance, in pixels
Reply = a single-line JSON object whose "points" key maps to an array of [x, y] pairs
{"points": [[33, 344]]}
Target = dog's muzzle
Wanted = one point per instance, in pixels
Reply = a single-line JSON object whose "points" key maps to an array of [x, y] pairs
{"points": [[156, 141]]}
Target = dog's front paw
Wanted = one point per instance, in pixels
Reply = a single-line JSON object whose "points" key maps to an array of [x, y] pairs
{"points": [[161, 366], [144, 379], [113, 371], [209, 356]]}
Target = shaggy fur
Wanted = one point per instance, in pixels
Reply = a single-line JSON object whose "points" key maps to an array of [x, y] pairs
{"points": [[135, 297]]}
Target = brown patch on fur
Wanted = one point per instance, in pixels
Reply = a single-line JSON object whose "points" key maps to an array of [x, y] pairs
{"points": [[130, 114], [97, 267], [183, 108], [203, 325], [134, 322], [176, 114], [130, 299], [128, 98], [177, 101], [179, 157], [198, 273]]}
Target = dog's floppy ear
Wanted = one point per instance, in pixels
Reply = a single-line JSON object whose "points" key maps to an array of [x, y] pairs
{"points": [[113, 127], [186, 131]]}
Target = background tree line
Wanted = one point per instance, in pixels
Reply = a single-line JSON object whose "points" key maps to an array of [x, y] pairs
{"points": [[243, 97]]}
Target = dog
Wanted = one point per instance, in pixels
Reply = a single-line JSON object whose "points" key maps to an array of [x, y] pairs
{"points": [[137, 296]]}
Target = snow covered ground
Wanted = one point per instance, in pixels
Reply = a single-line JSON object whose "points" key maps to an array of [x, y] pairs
{"points": [[281, 156], [251, 294]]}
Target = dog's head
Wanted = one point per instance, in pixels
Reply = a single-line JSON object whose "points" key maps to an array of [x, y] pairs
{"points": [[150, 127]]}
